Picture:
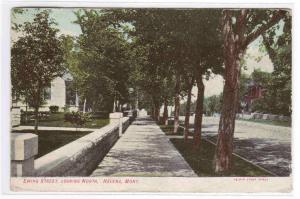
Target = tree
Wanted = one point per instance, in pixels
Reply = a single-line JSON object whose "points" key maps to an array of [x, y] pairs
{"points": [[175, 51], [213, 104], [190, 84], [204, 55], [167, 87], [37, 59], [157, 49], [240, 28], [178, 53], [103, 61], [279, 48]]}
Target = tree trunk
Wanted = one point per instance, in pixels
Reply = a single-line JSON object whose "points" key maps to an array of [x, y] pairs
{"points": [[235, 44], [119, 107], [165, 114], [223, 156], [157, 116], [84, 105], [26, 110], [156, 109], [232, 55], [36, 119], [114, 105], [153, 112], [177, 104], [36, 110], [199, 111], [188, 111]]}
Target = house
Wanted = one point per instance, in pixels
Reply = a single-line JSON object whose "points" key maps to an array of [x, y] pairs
{"points": [[254, 91], [59, 93]]}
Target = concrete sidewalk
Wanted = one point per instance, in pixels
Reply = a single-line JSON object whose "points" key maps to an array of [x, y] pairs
{"points": [[145, 151]]}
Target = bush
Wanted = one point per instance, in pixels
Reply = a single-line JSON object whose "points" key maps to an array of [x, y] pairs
{"points": [[30, 115], [66, 108], [77, 118], [53, 109], [100, 115]]}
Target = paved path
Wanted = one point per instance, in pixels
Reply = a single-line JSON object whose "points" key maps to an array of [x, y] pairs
{"points": [[268, 146], [144, 150]]}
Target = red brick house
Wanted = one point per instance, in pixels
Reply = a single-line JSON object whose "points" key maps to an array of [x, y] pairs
{"points": [[254, 91]]}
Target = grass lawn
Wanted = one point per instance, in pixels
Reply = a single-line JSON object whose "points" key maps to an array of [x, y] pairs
{"points": [[201, 160], [57, 120], [50, 140], [168, 130], [269, 122]]}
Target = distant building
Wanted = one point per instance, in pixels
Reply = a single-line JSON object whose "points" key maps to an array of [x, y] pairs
{"points": [[60, 93], [254, 91]]}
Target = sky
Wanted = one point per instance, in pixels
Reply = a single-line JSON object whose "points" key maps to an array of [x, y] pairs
{"points": [[214, 86], [64, 17]]}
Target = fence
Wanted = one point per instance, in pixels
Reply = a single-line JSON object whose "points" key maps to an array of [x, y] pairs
{"points": [[262, 116]]}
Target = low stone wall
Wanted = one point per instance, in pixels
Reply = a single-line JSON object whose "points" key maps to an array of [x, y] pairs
{"points": [[263, 117], [242, 125], [24, 146], [131, 114], [80, 157], [126, 123]]}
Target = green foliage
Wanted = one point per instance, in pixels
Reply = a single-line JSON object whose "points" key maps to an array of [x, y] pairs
{"points": [[77, 118], [213, 104], [53, 109], [57, 120], [277, 98], [264, 104], [259, 78], [70, 49], [274, 100], [27, 115], [142, 49], [102, 69], [14, 13], [36, 59], [192, 108], [279, 48], [171, 42]]}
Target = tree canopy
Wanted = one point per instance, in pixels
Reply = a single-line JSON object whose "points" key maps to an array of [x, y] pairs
{"points": [[36, 59], [102, 71]]}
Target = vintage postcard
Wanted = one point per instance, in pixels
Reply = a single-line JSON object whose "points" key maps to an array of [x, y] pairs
{"points": [[193, 99]]}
